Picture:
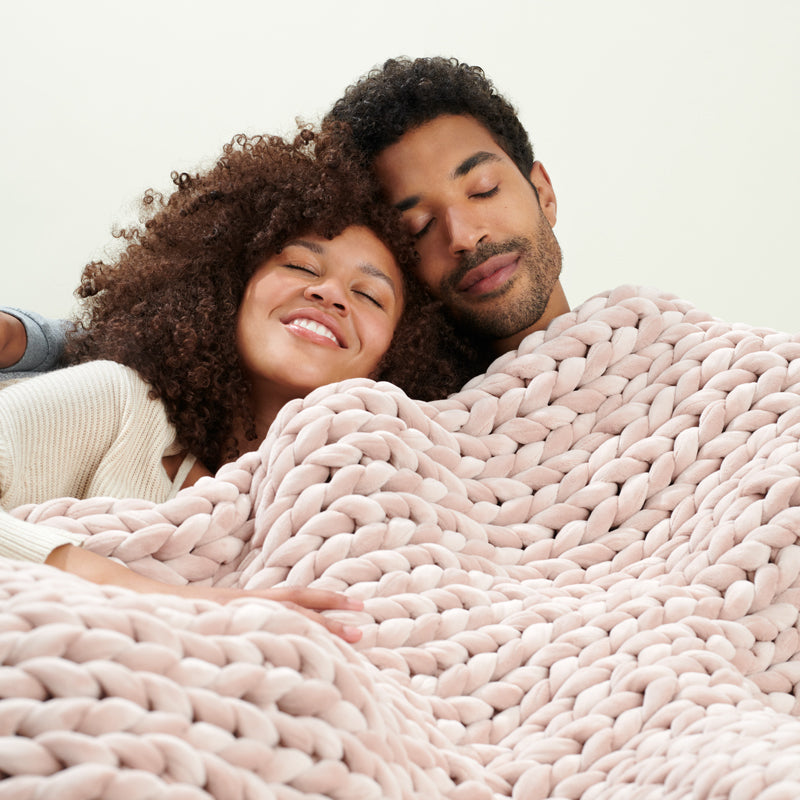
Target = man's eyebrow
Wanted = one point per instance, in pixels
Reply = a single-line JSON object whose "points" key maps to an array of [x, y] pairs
{"points": [[314, 247], [464, 168], [409, 202], [468, 164]]}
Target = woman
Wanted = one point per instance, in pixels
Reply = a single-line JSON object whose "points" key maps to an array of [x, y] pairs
{"points": [[273, 273]]}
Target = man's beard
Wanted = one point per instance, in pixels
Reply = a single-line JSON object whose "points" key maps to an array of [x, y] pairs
{"points": [[489, 315]]}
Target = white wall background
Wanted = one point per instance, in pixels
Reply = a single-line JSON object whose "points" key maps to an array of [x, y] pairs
{"points": [[671, 129]]}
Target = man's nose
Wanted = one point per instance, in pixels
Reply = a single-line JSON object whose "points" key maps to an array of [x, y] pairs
{"points": [[328, 292], [465, 230]]}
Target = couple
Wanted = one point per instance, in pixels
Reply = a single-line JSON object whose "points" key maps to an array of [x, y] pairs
{"points": [[624, 626], [279, 271]]}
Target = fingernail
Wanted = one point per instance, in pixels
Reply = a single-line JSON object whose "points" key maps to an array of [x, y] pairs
{"points": [[352, 634]]}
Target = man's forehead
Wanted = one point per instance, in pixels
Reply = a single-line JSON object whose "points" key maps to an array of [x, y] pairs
{"points": [[444, 149], [446, 134]]}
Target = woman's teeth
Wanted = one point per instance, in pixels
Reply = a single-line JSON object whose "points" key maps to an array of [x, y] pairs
{"points": [[315, 327]]}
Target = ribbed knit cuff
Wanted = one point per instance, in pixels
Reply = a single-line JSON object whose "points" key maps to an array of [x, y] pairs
{"points": [[28, 542]]}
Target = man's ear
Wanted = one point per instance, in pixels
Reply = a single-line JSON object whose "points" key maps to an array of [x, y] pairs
{"points": [[547, 197]]}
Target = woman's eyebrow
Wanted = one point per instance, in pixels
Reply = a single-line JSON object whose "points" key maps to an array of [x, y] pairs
{"points": [[365, 267], [371, 269], [314, 247]]}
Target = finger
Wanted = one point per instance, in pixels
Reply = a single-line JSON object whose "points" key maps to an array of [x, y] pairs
{"points": [[349, 633], [318, 599]]}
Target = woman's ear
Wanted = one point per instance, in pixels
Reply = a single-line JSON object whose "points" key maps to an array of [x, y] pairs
{"points": [[544, 187]]}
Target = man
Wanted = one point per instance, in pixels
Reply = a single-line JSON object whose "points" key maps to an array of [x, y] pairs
{"points": [[452, 155]]}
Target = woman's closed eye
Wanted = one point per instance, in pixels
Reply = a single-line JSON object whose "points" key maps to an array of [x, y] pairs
{"points": [[369, 296], [300, 268]]}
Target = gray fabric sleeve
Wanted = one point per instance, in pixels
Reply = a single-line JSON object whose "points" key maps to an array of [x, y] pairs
{"points": [[45, 343]]}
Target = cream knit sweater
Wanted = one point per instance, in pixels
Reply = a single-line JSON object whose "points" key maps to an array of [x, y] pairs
{"points": [[86, 431]]}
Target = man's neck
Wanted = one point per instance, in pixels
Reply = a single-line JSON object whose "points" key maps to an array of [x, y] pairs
{"points": [[556, 306]]}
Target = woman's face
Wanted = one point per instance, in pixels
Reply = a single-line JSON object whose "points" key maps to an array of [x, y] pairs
{"points": [[318, 312]]}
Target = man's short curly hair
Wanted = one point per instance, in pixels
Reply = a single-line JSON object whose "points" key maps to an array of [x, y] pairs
{"points": [[404, 94], [167, 305]]}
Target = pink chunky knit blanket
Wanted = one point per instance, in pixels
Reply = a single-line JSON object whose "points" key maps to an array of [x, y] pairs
{"points": [[581, 578]]}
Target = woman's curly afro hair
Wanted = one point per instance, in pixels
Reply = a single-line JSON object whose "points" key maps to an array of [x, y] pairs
{"points": [[167, 305]]}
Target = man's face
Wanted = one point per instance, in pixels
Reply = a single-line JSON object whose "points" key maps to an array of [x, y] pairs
{"points": [[485, 241]]}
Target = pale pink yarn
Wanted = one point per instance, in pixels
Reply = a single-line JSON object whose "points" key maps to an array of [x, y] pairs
{"points": [[581, 579]]}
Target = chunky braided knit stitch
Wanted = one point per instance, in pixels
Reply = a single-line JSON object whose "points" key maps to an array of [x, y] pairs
{"points": [[581, 579]]}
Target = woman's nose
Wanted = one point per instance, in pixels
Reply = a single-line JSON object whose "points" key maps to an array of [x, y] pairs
{"points": [[329, 293]]}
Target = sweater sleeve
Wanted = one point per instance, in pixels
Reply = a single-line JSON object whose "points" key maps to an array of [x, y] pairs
{"points": [[84, 431], [26, 541], [45, 343]]}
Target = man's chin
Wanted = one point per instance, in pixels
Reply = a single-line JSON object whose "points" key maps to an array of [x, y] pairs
{"points": [[497, 317], [490, 326]]}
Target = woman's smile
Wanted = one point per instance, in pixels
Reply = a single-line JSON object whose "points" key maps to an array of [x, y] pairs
{"points": [[315, 326], [319, 311]]}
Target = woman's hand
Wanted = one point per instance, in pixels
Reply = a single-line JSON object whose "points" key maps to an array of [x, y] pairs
{"points": [[309, 602]]}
